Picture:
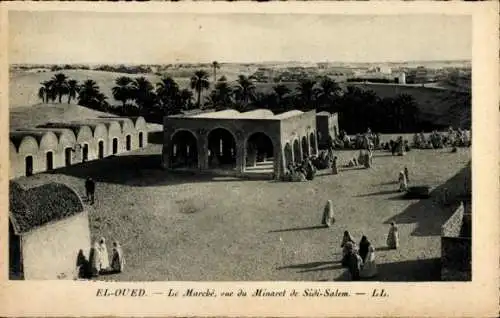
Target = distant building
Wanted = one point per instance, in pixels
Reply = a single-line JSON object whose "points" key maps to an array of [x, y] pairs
{"points": [[401, 79], [48, 232]]}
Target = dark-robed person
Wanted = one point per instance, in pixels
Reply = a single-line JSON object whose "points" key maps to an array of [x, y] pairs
{"points": [[364, 246], [348, 244], [354, 264], [90, 189]]}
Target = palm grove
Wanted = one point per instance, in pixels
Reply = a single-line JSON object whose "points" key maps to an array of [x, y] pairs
{"points": [[357, 108]]}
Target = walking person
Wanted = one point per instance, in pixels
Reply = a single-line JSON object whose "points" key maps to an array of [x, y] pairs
{"points": [[90, 189], [403, 183], [94, 258], [328, 218], [364, 246], [335, 169], [103, 256], [355, 264], [369, 268], [393, 237], [117, 259]]}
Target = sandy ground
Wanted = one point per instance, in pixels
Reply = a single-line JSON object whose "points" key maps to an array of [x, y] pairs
{"points": [[178, 227]]}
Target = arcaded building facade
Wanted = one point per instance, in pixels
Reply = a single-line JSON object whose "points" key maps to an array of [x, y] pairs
{"points": [[239, 143], [55, 145]]}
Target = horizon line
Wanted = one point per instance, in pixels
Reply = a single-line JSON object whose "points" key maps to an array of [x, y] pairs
{"points": [[254, 62]]}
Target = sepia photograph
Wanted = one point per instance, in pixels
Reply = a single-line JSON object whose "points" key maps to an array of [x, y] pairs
{"points": [[298, 159], [240, 147]]}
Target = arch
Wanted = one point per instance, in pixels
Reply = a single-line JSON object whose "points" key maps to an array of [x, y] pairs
{"points": [[83, 133], [288, 154], [139, 123], [312, 143], [49, 160], [28, 164], [47, 140], [99, 130], [305, 147], [128, 142], [24, 143], [100, 151], [115, 146], [183, 149], [259, 147], [222, 149], [297, 158]]}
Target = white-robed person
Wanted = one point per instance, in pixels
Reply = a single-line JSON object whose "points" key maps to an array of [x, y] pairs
{"points": [[403, 183], [328, 218], [117, 259], [103, 255], [369, 268]]}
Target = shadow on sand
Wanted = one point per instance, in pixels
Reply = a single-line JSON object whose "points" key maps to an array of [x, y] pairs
{"points": [[313, 266], [430, 214], [137, 170], [307, 228], [377, 193], [406, 271]]}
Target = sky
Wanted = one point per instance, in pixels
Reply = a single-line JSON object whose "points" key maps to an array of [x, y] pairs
{"points": [[162, 38]]}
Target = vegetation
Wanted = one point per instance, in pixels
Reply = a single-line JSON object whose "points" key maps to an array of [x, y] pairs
{"points": [[358, 107]]}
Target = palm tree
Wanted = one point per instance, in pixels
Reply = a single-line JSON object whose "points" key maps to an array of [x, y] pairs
{"points": [[329, 92], [72, 89], [280, 90], [199, 82], [123, 90], [168, 95], [215, 66], [306, 93], [186, 99], [89, 95], [46, 91], [222, 96], [245, 90], [143, 93], [60, 85]]}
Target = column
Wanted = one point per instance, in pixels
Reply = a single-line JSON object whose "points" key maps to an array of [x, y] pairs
{"points": [[202, 151]]}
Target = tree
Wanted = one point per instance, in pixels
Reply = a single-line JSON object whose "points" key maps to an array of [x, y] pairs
{"points": [[60, 85], [186, 99], [199, 82], [222, 96], [168, 95], [406, 112], [215, 66], [47, 92], [72, 89], [123, 91], [245, 90], [328, 94], [280, 91], [306, 93], [90, 96], [142, 92]]}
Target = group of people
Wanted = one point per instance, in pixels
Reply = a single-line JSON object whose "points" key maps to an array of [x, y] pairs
{"points": [[437, 140], [303, 171], [360, 141], [99, 262], [360, 259]]}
